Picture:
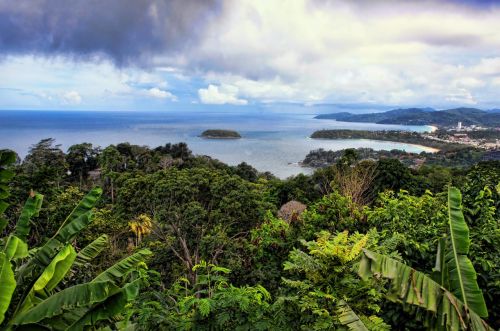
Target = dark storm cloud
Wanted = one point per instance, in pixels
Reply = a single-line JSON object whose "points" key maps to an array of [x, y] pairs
{"points": [[126, 31], [478, 3]]}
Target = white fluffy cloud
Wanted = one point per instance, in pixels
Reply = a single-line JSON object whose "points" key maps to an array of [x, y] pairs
{"points": [[161, 94], [427, 52], [30, 82], [72, 98], [219, 95]]}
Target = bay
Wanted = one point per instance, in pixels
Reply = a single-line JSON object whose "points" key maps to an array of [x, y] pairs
{"points": [[272, 141]]}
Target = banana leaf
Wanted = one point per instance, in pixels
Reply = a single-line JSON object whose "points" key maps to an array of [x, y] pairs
{"points": [[3, 207], [440, 270], [84, 206], [15, 248], [413, 288], [89, 252], [31, 208], [42, 257], [7, 285], [348, 318], [50, 277], [462, 276], [109, 308], [6, 158], [120, 269], [75, 297], [75, 222]]}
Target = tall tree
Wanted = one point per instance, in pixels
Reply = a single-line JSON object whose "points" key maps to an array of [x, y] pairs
{"points": [[111, 162], [45, 164], [197, 213], [82, 158]]}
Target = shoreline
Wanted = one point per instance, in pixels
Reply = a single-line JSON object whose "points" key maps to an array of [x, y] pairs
{"points": [[214, 137], [426, 149], [433, 128]]}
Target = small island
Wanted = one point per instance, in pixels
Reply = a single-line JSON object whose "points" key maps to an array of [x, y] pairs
{"points": [[220, 134]]}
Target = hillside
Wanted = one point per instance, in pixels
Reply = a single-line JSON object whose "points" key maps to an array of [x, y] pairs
{"points": [[458, 158], [423, 116]]}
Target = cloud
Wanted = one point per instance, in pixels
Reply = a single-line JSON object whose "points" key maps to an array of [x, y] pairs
{"points": [[387, 52], [72, 98], [160, 94], [431, 52], [220, 95], [462, 96], [129, 32], [143, 79], [496, 81], [29, 83]]}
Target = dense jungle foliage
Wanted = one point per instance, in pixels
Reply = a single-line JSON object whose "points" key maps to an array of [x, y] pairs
{"points": [[129, 237], [464, 157]]}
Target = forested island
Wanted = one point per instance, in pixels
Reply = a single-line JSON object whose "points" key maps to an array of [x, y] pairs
{"points": [[138, 238], [424, 116], [220, 134]]}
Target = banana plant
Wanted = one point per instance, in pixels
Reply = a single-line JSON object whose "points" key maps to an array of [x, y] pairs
{"points": [[32, 291], [349, 318], [6, 159], [450, 298]]}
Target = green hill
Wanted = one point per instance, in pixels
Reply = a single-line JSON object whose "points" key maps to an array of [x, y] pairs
{"points": [[423, 116]]}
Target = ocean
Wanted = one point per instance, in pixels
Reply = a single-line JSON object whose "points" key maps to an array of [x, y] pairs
{"points": [[272, 141]]}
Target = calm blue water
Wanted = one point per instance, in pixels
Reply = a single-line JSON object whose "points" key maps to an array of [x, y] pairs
{"points": [[271, 141]]}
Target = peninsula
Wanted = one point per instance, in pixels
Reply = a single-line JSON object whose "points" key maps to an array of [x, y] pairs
{"points": [[220, 134], [443, 140]]}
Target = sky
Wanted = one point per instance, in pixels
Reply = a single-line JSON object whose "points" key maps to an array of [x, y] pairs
{"points": [[246, 54]]}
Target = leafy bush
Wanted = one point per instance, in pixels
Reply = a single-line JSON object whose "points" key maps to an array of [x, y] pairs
{"points": [[450, 298], [33, 291]]}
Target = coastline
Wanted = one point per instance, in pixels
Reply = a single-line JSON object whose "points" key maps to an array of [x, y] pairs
{"points": [[215, 137], [426, 149], [269, 140], [433, 128]]}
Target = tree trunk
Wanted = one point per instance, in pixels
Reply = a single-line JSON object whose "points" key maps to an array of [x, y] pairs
{"points": [[112, 192]]}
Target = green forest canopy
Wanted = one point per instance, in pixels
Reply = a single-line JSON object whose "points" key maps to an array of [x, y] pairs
{"points": [[221, 258]]}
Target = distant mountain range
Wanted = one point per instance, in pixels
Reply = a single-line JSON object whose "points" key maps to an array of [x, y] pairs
{"points": [[423, 116]]}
